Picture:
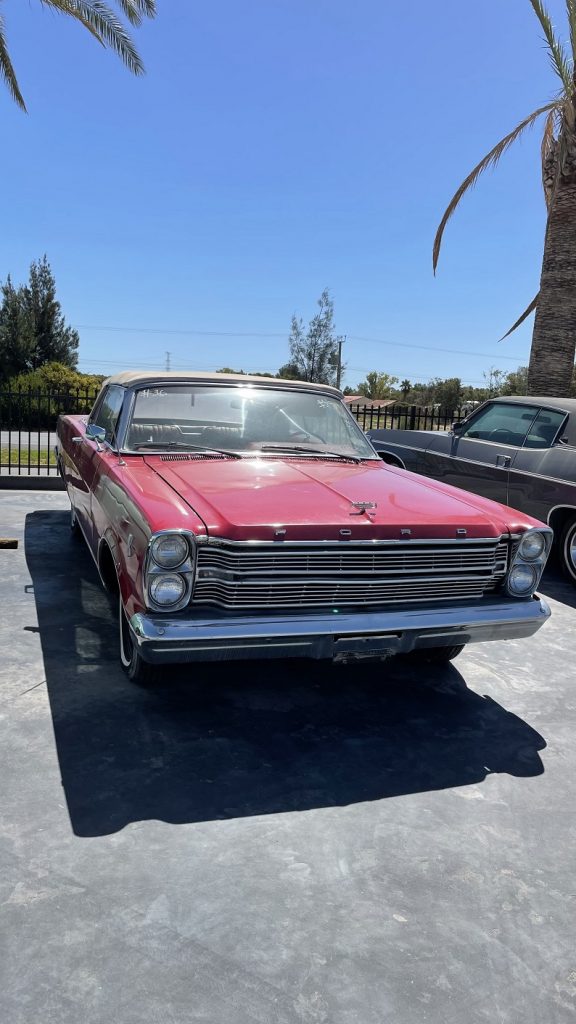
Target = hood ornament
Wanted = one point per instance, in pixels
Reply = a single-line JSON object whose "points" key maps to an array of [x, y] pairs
{"points": [[364, 506]]}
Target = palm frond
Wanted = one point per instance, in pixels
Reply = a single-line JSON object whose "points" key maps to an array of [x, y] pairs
{"points": [[523, 317], [101, 21], [556, 51], [137, 10], [7, 70], [491, 159], [571, 12]]}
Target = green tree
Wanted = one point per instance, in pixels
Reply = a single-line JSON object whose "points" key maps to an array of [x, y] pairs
{"points": [[51, 389], [516, 382], [447, 393], [314, 351], [377, 385], [495, 381], [16, 336], [252, 373], [100, 21], [32, 327], [57, 377], [554, 336], [405, 387], [289, 371]]}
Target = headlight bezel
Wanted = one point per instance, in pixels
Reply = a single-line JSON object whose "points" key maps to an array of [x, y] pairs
{"points": [[522, 567], [156, 581], [534, 563], [185, 569], [171, 564], [526, 537]]}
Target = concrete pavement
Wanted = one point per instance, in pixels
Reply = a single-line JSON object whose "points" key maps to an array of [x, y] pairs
{"points": [[276, 843]]}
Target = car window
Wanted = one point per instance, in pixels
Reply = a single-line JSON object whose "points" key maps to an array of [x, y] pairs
{"points": [[544, 429], [243, 418], [502, 423], [107, 411]]}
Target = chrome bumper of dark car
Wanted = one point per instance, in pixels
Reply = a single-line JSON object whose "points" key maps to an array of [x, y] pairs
{"points": [[340, 636]]}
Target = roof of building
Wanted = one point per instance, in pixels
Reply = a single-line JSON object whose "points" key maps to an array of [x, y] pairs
{"points": [[141, 378]]}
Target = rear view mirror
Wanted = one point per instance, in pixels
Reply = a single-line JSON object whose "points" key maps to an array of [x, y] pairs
{"points": [[457, 427]]}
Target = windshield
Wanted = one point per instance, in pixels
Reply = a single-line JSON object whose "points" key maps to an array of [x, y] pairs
{"points": [[244, 419]]}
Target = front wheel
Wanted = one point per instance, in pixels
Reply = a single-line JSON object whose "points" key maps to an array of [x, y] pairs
{"points": [[567, 550], [137, 670], [437, 655]]}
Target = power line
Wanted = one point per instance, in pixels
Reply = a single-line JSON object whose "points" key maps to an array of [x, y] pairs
{"points": [[416, 378], [284, 334], [428, 348], [170, 330]]}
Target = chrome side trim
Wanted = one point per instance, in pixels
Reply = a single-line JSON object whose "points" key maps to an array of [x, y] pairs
{"points": [[164, 640], [512, 468]]}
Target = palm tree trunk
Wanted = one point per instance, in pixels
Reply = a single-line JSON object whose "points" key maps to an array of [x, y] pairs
{"points": [[554, 337]]}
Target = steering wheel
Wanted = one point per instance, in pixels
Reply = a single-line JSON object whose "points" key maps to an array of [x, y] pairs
{"points": [[306, 435], [501, 434]]}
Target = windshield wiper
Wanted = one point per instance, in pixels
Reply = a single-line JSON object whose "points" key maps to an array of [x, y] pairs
{"points": [[164, 445], [308, 451]]}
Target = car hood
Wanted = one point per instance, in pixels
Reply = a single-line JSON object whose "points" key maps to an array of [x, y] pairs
{"points": [[312, 499]]}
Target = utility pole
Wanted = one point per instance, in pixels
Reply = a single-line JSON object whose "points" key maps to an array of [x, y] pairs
{"points": [[339, 369], [168, 361]]}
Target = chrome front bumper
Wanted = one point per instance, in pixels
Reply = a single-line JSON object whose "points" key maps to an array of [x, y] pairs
{"points": [[340, 636]]}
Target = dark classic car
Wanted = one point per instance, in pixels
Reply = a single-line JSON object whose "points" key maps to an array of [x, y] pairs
{"points": [[520, 451], [242, 517]]}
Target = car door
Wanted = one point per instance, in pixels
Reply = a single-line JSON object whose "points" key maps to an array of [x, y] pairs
{"points": [[89, 455], [543, 472], [482, 449]]}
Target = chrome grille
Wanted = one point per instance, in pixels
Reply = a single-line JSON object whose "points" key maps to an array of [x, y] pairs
{"points": [[344, 574]]}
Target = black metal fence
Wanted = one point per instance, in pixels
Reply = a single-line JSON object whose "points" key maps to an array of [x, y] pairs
{"points": [[28, 424], [404, 417], [28, 427]]}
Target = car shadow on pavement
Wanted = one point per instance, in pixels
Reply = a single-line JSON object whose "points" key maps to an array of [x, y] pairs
{"points": [[557, 587], [229, 740]]}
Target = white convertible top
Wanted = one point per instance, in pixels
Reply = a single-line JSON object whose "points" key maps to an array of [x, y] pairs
{"points": [[143, 378]]}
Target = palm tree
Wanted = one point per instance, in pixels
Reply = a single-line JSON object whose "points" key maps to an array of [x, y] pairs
{"points": [[554, 336], [100, 21]]}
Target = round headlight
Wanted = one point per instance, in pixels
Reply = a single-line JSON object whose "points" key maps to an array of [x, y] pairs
{"points": [[532, 546], [522, 580], [167, 589], [169, 550]]}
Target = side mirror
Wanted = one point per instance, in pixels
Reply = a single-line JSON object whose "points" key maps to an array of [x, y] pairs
{"points": [[95, 433], [457, 427]]}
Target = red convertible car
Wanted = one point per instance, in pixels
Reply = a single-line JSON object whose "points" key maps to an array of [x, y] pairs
{"points": [[242, 517]]}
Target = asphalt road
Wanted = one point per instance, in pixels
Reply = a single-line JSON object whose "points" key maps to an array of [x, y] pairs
{"points": [[276, 843]]}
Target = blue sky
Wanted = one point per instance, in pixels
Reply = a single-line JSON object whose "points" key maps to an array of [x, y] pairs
{"points": [[272, 150]]}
